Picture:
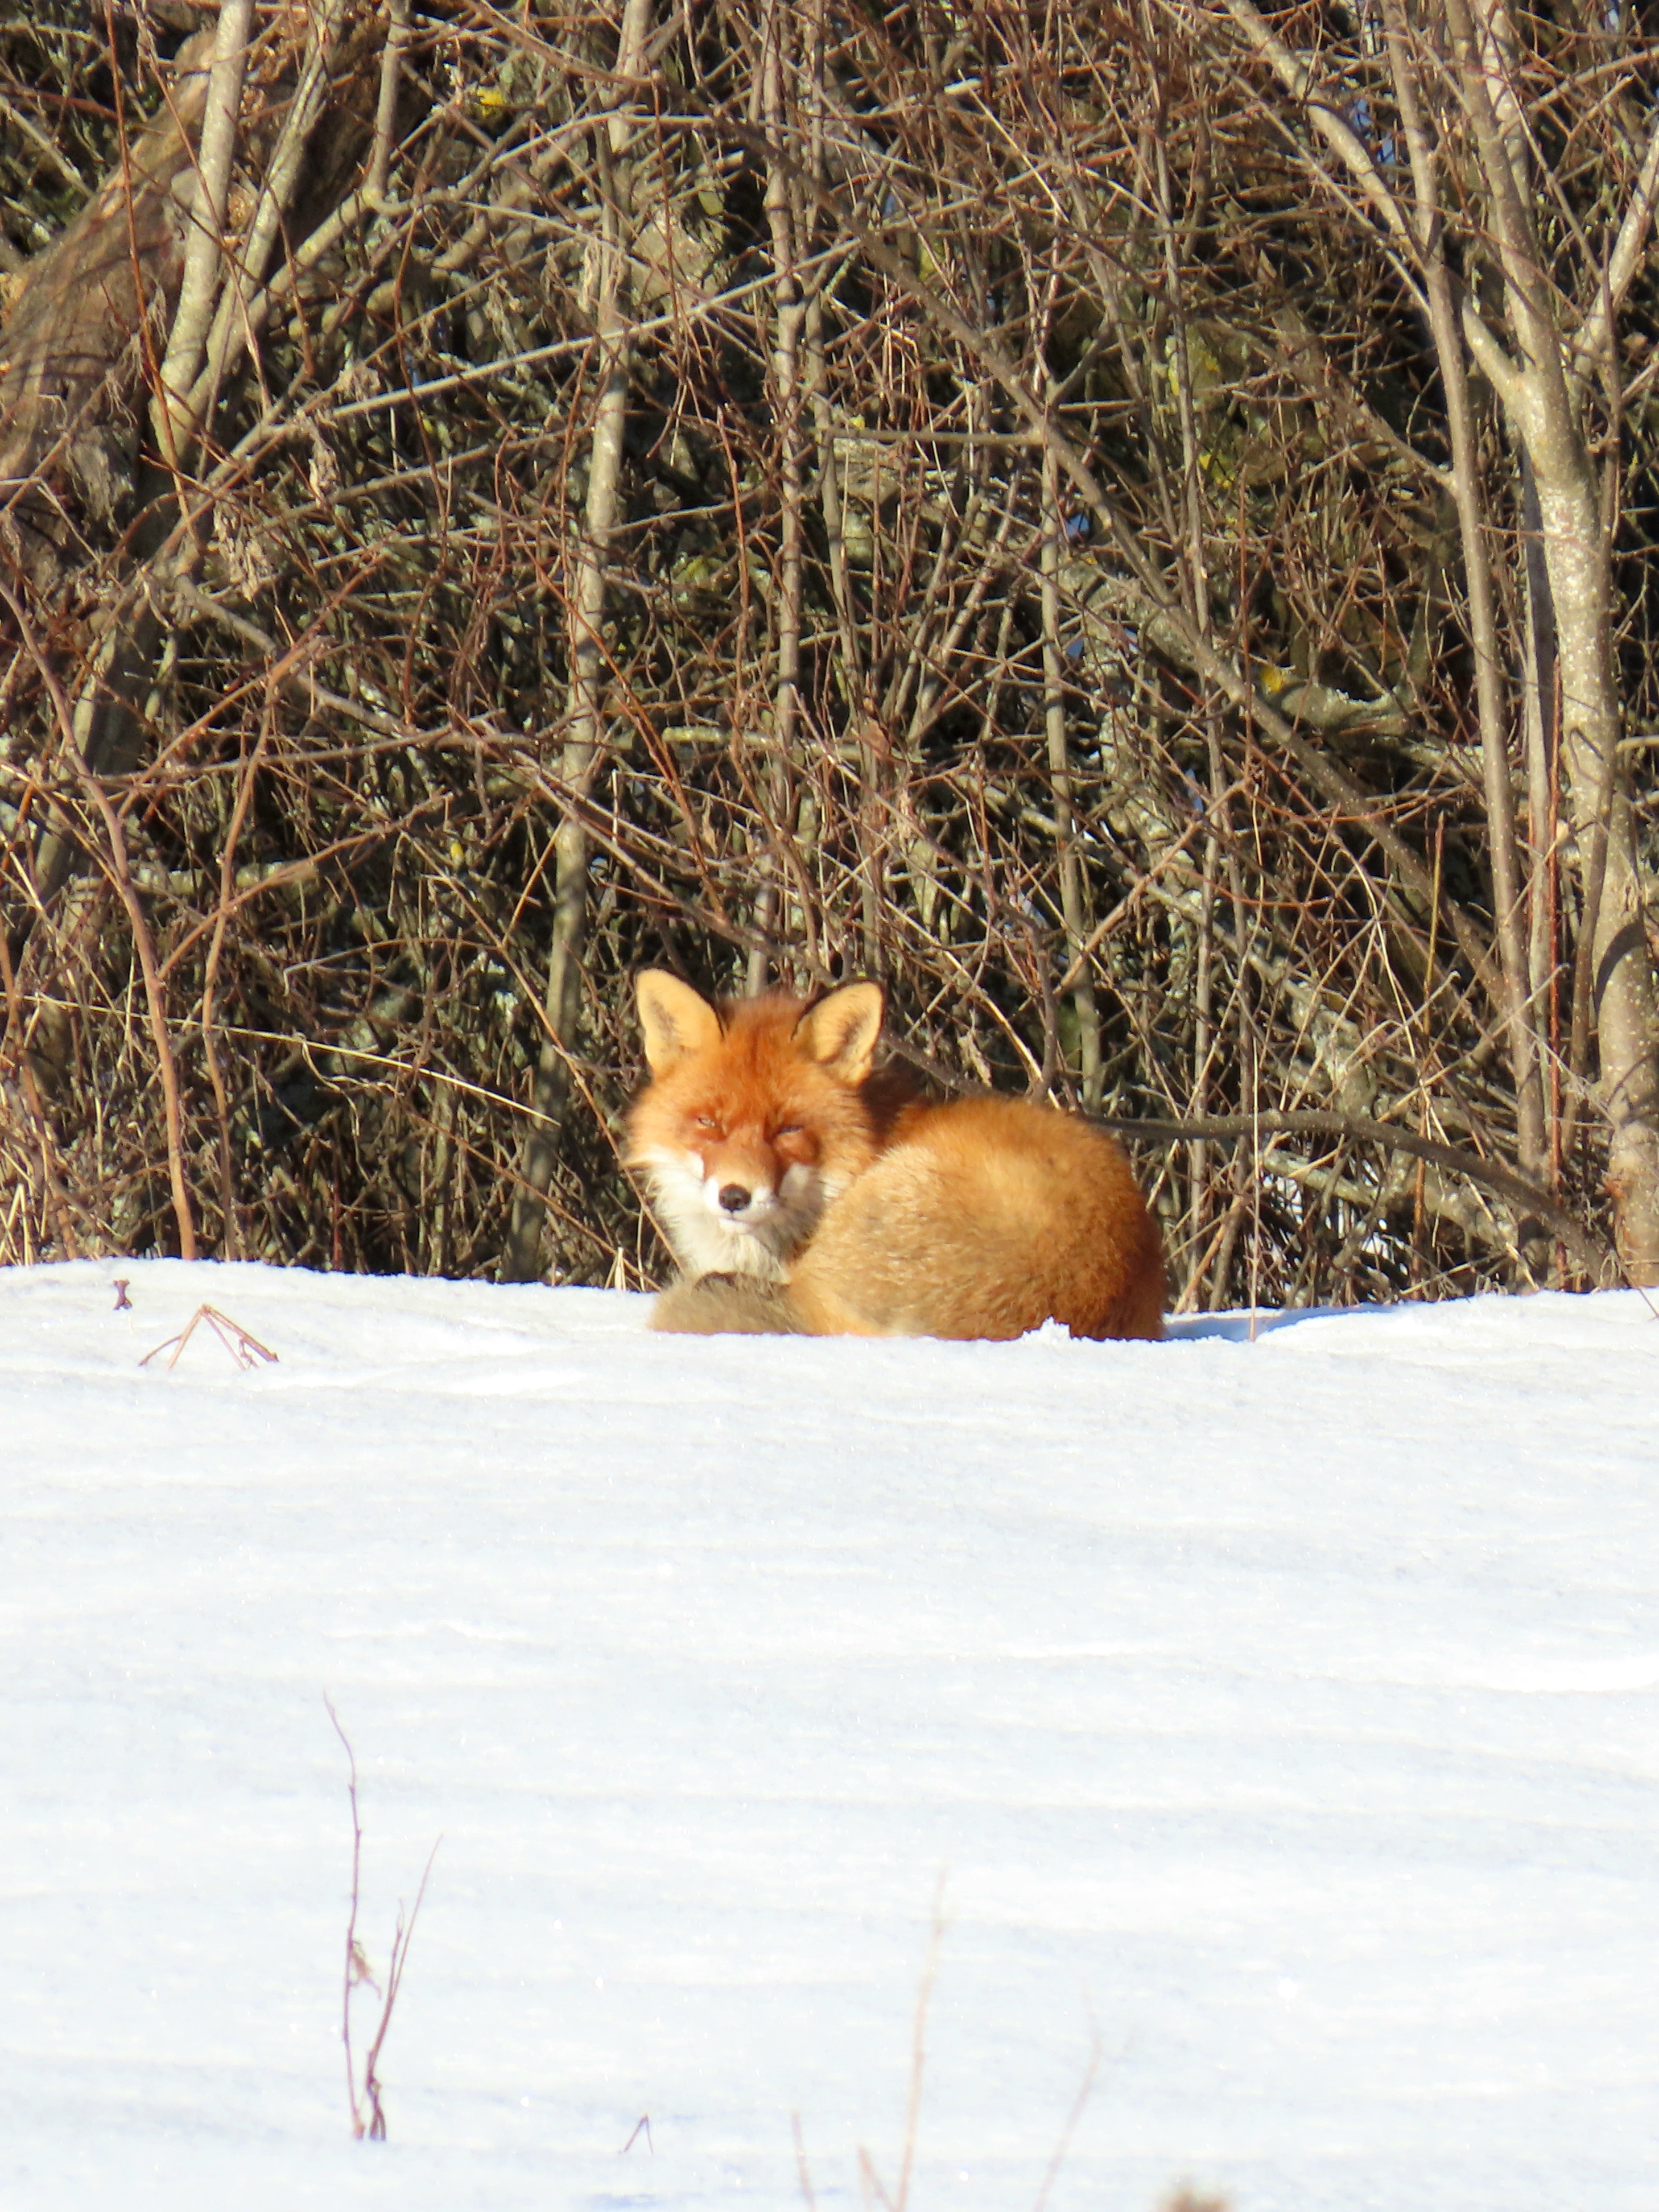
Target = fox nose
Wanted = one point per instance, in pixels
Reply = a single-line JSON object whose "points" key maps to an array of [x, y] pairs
{"points": [[733, 1198]]}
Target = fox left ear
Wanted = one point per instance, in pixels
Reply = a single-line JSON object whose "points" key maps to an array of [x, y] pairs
{"points": [[841, 1031], [676, 1021]]}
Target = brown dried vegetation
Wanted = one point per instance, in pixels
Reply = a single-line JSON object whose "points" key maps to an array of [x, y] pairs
{"points": [[969, 496]]}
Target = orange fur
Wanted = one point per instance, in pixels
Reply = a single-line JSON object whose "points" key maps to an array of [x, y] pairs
{"points": [[800, 1196], [756, 1116]]}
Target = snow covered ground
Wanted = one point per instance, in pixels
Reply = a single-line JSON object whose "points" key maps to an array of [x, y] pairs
{"points": [[1280, 1717]]}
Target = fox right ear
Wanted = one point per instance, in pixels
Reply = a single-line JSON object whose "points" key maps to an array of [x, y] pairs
{"points": [[841, 1031], [676, 1021]]}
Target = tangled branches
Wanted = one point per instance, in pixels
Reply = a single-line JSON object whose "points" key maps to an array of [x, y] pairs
{"points": [[786, 494]]}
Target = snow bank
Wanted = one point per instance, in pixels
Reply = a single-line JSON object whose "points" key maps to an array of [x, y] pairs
{"points": [[1281, 1716]]}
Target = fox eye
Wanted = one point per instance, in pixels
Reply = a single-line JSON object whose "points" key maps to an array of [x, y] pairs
{"points": [[789, 1129], [705, 1121]]}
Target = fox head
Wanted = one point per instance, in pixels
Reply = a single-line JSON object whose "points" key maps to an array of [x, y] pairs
{"points": [[753, 1119]]}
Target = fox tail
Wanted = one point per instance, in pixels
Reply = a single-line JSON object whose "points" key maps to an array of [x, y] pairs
{"points": [[727, 1305]]}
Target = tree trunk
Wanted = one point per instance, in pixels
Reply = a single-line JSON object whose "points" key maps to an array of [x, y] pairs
{"points": [[521, 1261], [1537, 393]]}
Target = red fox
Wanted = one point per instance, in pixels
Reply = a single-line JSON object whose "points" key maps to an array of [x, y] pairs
{"points": [[805, 1193]]}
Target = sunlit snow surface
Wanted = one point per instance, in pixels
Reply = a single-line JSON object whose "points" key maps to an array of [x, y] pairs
{"points": [[1282, 1717]]}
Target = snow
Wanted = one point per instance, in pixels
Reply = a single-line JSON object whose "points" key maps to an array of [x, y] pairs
{"points": [[1278, 1718]]}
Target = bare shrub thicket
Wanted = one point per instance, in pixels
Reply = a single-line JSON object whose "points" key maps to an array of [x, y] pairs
{"points": [[1069, 511]]}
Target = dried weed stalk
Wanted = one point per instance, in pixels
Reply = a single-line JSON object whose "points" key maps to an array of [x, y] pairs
{"points": [[872, 2191], [247, 1351], [364, 2095]]}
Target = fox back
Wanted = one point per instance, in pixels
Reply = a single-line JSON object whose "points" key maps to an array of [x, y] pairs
{"points": [[986, 1218], [758, 1113]]}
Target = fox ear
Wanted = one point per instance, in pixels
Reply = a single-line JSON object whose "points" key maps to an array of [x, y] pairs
{"points": [[839, 1032], [676, 1021]]}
